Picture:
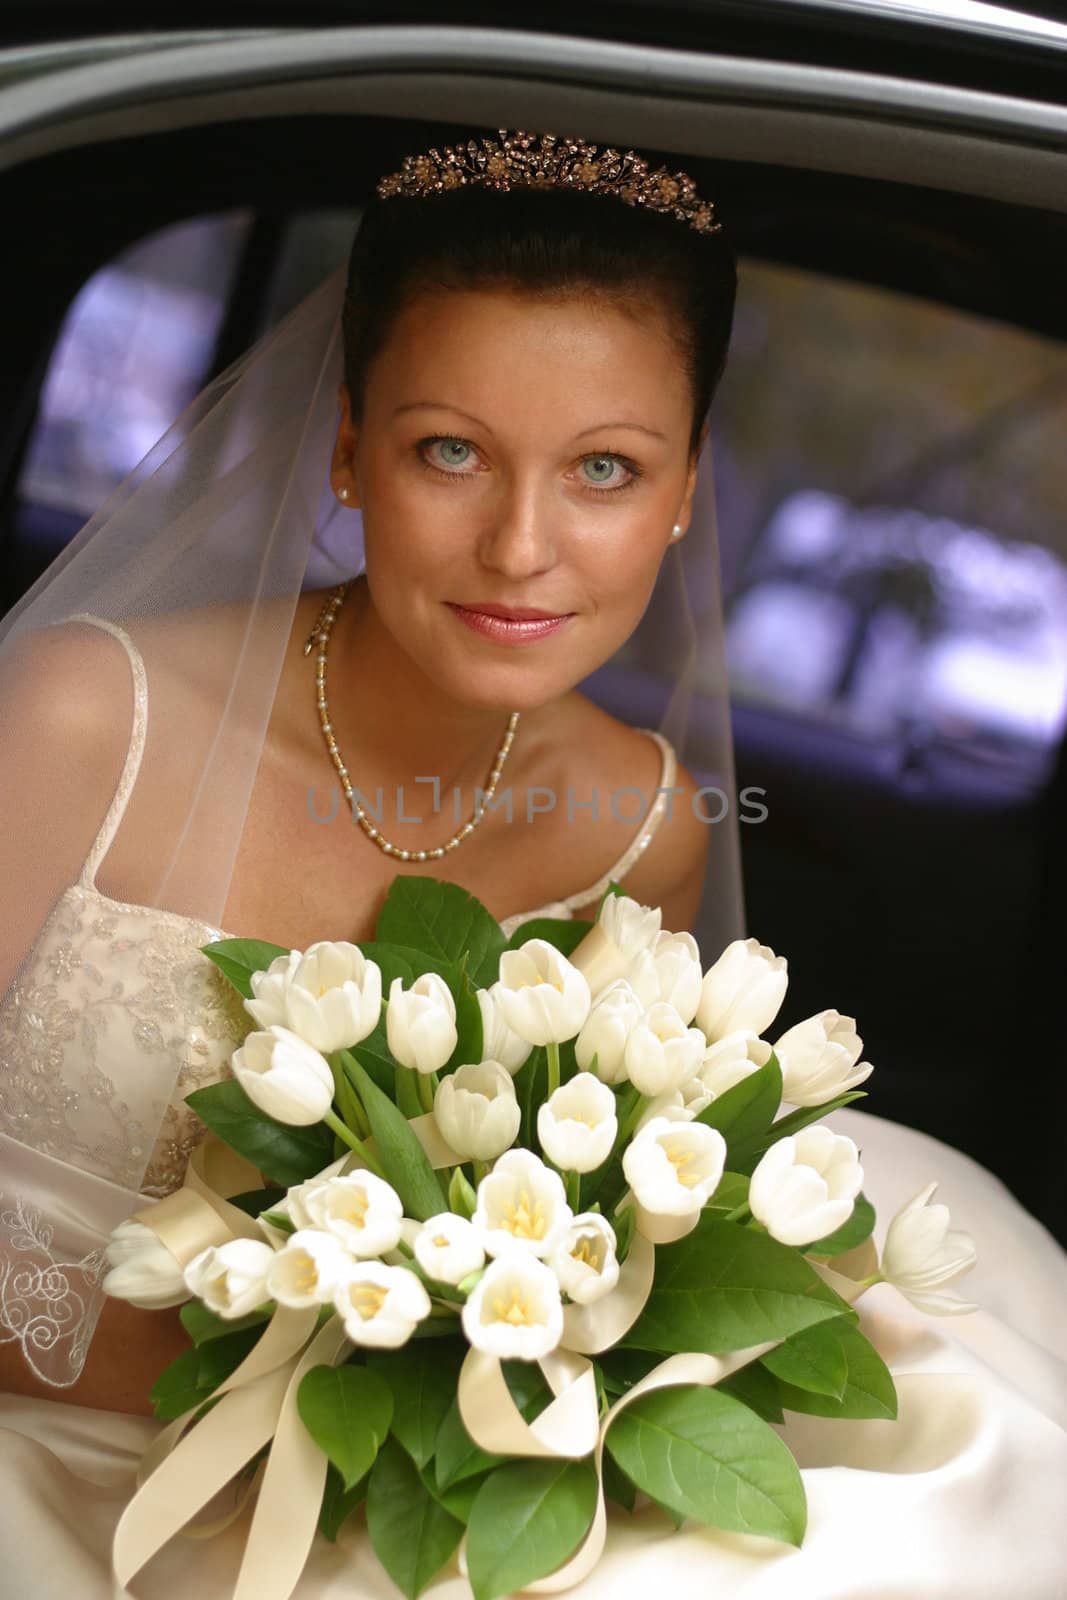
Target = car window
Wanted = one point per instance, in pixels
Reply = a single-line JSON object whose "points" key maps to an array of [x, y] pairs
{"points": [[891, 480]]}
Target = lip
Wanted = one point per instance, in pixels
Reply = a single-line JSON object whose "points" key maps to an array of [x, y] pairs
{"points": [[509, 624]]}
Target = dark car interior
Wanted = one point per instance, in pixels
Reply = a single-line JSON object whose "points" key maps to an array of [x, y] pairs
{"points": [[914, 879]]}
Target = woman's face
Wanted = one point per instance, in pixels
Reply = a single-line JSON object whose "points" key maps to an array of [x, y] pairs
{"points": [[517, 453]]}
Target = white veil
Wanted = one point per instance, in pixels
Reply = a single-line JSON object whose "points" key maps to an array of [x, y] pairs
{"points": [[228, 518]]}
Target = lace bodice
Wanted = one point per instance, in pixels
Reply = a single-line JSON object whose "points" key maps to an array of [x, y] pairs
{"points": [[113, 993]]}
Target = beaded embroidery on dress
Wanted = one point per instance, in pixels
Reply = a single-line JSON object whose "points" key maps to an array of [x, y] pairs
{"points": [[113, 993]]}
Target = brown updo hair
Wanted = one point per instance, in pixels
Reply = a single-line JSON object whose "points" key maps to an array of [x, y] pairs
{"points": [[543, 242]]}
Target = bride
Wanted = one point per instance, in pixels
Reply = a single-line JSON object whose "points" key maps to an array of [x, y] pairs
{"points": [[354, 588]]}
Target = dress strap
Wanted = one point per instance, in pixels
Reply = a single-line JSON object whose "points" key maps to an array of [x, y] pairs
{"points": [[645, 833], [117, 808]]}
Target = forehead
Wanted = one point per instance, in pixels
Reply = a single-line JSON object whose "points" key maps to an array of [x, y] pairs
{"points": [[499, 352]]}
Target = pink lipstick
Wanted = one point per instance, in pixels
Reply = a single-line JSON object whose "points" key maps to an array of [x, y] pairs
{"points": [[510, 624]]}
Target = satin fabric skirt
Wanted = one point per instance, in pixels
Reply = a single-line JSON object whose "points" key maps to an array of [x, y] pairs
{"points": [[962, 1496]]}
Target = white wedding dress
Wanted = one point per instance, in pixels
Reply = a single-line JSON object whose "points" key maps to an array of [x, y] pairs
{"points": [[960, 1497]]}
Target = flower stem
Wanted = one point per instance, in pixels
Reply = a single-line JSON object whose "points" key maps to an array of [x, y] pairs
{"points": [[552, 1051], [481, 1170], [426, 1084], [574, 1190], [740, 1213], [345, 1134]]}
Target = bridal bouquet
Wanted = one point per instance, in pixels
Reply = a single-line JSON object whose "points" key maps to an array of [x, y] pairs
{"points": [[488, 1234]]}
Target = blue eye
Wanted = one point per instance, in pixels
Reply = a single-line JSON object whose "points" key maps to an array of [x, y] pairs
{"points": [[449, 457], [603, 485]]}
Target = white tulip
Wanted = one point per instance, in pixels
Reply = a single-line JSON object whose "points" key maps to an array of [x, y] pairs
{"points": [[420, 1022], [661, 1052], [499, 1042], [515, 1313], [577, 1124], [542, 995], [308, 1269], [359, 1209], [614, 1015], [284, 1076], [477, 1111], [630, 926], [584, 1261], [380, 1306], [331, 995], [448, 1248], [143, 1271], [674, 1168], [744, 989], [231, 1278], [819, 1057], [922, 1254], [669, 970], [806, 1185], [269, 989], [521, 1204], [732, 1059]]}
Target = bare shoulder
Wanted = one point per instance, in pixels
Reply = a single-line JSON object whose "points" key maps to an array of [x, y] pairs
{"points": [[66, 689]]}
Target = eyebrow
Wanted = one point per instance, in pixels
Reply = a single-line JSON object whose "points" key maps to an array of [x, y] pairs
{"points": [[598, 427]]}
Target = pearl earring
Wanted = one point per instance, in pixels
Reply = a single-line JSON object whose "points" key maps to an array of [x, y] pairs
{"points": [[343, 493], [676, 531]]}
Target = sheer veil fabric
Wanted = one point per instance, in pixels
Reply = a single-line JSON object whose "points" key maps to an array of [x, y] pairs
{"points": [[228, 518]]}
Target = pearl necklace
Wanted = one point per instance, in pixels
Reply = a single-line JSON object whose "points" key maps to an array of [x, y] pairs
{"points": [[320, 634]]}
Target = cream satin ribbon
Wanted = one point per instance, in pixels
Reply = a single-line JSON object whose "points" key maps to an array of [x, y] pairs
{"points": [[494, 1422]]}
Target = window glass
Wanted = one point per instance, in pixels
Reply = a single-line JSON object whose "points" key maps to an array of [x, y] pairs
{"points": [[891, 480]]}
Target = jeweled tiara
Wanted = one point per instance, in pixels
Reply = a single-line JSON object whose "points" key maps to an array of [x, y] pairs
{"points": [[519, 160]]}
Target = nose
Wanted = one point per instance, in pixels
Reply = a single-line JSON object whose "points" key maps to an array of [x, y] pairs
{"points": [[518, 540]]}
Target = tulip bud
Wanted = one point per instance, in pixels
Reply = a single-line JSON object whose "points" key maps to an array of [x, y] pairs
{"points": [[284, 1076], [669, 970], [499, 1042], [543, 996], [819, 1059], [922, 1255], [661, 1052], [743, 990], [577, 1124], [231, 1278], [806, 1185], [614, 1015], [143, 1271], [420, 1022], [477, 1110]]}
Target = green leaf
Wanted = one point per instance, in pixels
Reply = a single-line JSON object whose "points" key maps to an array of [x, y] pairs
{"points": [[445, 922], [617, 1486], [468, 1020], [731, 1193], [812, 1359], [461, 1496], [406, 1091], [757, 1389], [623, 1368], [286, 1154], [724, 1287], [197, 1373], [563, 933], [201, 1324], [527, 1518], [347, 1411], [422, 1378], [338, 1503], [403, 1159], [745, 1112], [255, 1201], [855, 1230], [746, 1155], [868, 1392], [706, 1455], [412, 1533], [237, 959], [531, 1090], [462, 1198]]}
